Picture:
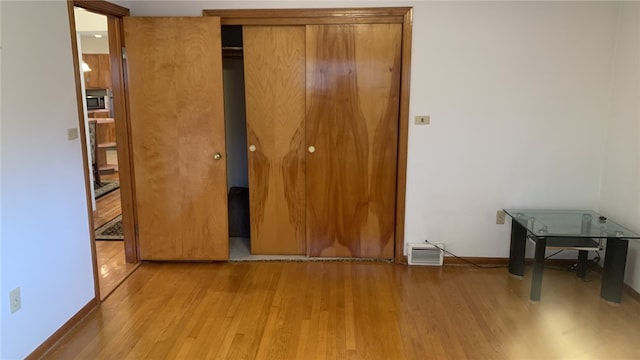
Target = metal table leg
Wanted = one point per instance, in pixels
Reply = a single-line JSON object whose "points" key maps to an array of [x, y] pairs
{"points": [[517, 249], [538, 266], [581, 270], [615, 261]]}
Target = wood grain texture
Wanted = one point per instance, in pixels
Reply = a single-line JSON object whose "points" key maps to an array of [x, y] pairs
{"points": [[102, 7], [403, 134], [274, 72], [100, 75], [113, 269], [351, 310], [98, 114], [177, 125], [316, 16], [123, 131], [44, 348], [105, 139], [353, 80], [107, 208]]}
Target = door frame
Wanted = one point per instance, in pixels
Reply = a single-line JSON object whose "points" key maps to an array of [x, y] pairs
{"points": [[114, 14], [383, 15]]}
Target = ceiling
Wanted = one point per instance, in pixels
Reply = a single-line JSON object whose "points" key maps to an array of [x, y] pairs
{"points": [[93, 31], [88, 23]]}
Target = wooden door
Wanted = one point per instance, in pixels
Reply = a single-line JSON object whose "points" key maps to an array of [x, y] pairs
{"points": [[353, 82], [177, 125], [274, 73]]}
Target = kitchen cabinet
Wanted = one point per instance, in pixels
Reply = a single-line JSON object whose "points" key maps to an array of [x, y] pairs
{"points": [[93, 114], [100, 75]]}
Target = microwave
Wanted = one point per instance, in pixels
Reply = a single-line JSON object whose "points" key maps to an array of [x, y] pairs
{"points": [[96, 102], [98, 99]]}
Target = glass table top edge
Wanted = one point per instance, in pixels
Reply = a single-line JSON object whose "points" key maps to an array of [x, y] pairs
{"points": [[569, 223]]}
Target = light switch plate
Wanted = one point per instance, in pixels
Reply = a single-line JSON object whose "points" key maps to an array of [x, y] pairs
{"points": [[500, 217], [423, 120], [15, 301], [72, 133]]}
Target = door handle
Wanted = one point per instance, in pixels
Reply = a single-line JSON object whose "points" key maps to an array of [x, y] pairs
{"points": [[217, 156]]}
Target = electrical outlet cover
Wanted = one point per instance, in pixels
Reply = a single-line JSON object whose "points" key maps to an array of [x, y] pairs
{"points": [[423, 120], [15, 300]]}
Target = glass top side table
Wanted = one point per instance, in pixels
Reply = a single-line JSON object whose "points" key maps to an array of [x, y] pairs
{"points": [[569, 228]]}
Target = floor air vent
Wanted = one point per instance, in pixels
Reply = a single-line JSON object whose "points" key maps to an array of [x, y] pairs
{"points": [[425, 254]]}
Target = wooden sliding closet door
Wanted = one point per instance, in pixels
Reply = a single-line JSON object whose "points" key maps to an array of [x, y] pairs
{"points": [[274, 73], [177, 131], [353, 82]]}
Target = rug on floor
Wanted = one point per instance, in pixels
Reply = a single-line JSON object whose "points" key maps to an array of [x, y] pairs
{"points": [[112, 230], [106, 186]]}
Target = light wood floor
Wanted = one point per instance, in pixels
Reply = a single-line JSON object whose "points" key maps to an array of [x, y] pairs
{"points": [[112, 266], [107, 207], [351, 310]]}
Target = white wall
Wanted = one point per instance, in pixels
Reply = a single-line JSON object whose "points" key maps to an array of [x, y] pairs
{"points": [[93, 45], [45, 231], [620, 196], [519, 94], [2, 298]]}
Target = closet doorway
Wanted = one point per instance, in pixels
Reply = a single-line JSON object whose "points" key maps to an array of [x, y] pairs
{"points": [[325, 147]]}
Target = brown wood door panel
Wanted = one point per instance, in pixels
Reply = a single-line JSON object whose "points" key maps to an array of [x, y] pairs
{"points": [[353, 84], [177, 125], [274, 72]]}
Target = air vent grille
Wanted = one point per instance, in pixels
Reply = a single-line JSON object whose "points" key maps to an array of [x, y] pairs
{"points": [[425, 254]]}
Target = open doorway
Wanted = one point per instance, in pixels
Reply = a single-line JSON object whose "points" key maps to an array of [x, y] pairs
{"points": [[236, 140], [102, 149]]}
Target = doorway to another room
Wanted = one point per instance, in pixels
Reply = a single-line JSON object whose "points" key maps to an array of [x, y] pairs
{"points": [[102, 149]]}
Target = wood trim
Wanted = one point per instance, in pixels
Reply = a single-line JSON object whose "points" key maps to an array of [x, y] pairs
{"points": [[83, 142], [102, 7], [403, 135], [114, 15], [499, 261], [125, 162], [632, 292], [48, 344], [309, 16], [450, 260]]}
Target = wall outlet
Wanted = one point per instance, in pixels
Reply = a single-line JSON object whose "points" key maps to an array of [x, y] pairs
{"points": [[423, 120], [500, 217], [15, 300]]}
